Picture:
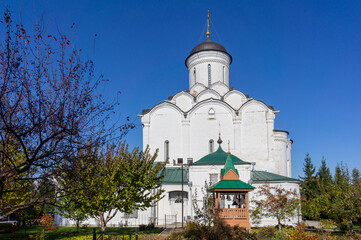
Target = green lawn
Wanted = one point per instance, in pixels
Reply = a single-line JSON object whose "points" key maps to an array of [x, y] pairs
{"points": [[68, 232]]}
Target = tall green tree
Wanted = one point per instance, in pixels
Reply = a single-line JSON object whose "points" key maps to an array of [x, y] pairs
{"points": [[356, 178], [309, 189], [342, 176], [320, 203], [309, 177], [327, 197], [324, 175], [72, 210], [113, 180], [345, 205]]}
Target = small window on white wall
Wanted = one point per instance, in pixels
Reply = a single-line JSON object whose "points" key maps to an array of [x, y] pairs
{"points": [[176, 196], [195, 75], [211, 114], [132, 215], [211, 146], [213, 178], [209, 75], [180, 160], [166, 150], [223, 73]]}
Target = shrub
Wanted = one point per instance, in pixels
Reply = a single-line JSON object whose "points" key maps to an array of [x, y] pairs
{"points": [[142, 227], [356, 236], [46, 220], [195, 230], [6, 227], [266, 232], [150, 226], [242, 233], [198, 231], [327, 223], [298, 234], [344, 225], [176, 236]]}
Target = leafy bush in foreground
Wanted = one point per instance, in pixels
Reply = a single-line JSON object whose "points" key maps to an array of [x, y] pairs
{"points": [[266, 232], [196, 230]]}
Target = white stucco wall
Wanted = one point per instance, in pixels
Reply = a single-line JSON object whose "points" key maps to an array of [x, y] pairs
{"points": [[198, 68], [190, 122]]}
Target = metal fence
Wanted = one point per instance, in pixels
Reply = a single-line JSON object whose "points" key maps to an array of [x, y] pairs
{"points": [[116, 235], [169, 220]]}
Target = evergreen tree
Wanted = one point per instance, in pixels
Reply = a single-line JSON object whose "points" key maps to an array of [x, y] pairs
{"points": [[308, 168], [342, 176], [322, 202], [309, 189], [308, 183], [345, 199], [356, 178], [324, 175]]}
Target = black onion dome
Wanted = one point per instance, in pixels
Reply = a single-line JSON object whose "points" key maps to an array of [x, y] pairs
{"points": [[208, 45]]}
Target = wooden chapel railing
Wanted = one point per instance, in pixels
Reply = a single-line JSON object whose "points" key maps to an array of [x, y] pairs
{"points": [[234, 213]]}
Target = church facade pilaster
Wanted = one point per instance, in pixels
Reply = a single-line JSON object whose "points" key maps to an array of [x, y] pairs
{"points": [[237, 133], [270, 117], [185, 136], [146, 134]]}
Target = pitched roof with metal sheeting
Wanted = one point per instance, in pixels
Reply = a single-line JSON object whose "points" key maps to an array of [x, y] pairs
{"points": [[262, 176], [231, 184], [219, 157], [174, 175]]}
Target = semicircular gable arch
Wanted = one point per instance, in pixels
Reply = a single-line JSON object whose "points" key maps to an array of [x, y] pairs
{"points": [[213, 101], [182, 93], [254, 102], [220, 87], [166, 104], [197, 88], [235, 98], [235, 91], [214, 94], [183, 100]]}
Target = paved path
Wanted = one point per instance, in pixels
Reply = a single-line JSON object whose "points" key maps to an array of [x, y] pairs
{"points": [[316, 224], [166, 231]]}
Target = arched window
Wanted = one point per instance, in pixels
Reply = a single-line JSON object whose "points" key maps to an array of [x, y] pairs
{"points": [[176, 196], [223, 74], [209, 75], [166, 150], [195, 75], [211, 144], [213, 178]]}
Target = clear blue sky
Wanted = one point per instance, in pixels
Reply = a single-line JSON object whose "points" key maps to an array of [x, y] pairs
{"points": [[302, 57]]}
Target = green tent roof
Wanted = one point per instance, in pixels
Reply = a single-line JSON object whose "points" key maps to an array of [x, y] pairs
{"points": [[229, 165], [174, 175], [218, 157], [262, 176], [231, 184]]}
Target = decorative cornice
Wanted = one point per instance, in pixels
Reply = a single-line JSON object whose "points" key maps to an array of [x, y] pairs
{"points": [[206, 61]]}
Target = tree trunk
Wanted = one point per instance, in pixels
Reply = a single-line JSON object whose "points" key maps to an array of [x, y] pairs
{"points": [[77, 223], [279, 224], [103, 224]]}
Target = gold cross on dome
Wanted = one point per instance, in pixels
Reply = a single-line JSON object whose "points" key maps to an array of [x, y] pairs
{"points": [[208, 33]]}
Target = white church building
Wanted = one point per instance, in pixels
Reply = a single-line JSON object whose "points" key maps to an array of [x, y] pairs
{"points": [[195, 128], [186, 127]]}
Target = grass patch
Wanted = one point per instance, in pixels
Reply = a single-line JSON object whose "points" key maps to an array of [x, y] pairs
{"points": [[66, 232]]}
